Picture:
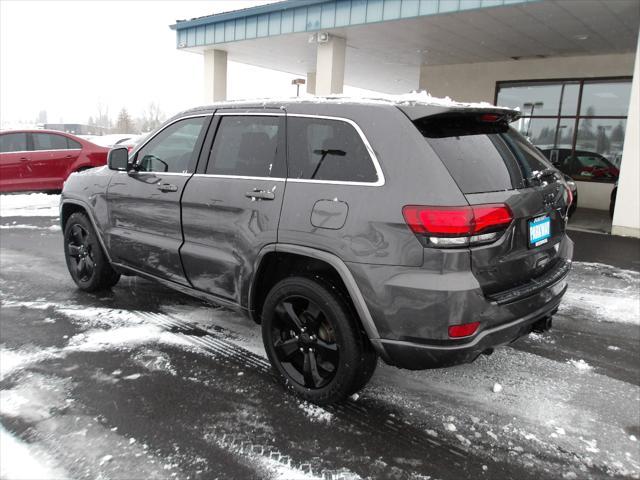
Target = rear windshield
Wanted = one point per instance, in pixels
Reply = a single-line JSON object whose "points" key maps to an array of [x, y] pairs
{"points": [[482, 157]]}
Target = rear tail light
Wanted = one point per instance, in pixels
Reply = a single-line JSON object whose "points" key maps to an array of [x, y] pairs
{"points": [[457, 226], [464, 330]]}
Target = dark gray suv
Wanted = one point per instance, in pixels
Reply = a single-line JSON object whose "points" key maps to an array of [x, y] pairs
{"points": [[421, 233]]}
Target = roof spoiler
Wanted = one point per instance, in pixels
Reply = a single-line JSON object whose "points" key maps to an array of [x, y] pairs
{"points": [[415, 112]]}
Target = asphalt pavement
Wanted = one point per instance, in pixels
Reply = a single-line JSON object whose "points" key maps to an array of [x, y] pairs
{"points": [[142, 382]]}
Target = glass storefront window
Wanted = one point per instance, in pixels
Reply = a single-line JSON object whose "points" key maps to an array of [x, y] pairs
{"points": [[605, 99], [586, 144]]}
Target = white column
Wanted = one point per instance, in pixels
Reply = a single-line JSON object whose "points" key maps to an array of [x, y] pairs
{"points": [[215, 76], [626, 218], [311, 83], [330, 59]]}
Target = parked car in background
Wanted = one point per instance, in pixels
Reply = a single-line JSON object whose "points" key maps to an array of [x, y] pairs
{"points": [[582, 165], [132, 142], [423, 234], [41, 160], [112, 139]]}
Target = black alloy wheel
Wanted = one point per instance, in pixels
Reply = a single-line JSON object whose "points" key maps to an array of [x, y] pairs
{"points": [[86, 261], [80, 253], [305, 342], [314, 340]]}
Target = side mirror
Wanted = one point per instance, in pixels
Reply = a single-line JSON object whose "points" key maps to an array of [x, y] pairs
{"points": [[118, 159]]}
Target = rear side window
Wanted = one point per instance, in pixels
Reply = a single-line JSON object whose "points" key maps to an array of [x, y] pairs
{"points": [[73, 145], [13, 142], [48, 141], [247, 146], [332, 150], [482, 157]]}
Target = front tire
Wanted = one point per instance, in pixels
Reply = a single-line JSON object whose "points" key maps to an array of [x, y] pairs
{"points": [[86, 261], [314, 341]]}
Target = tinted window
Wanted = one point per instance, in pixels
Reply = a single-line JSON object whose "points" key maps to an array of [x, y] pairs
{"points": [[73, 145], [247, 146], [13, 142], [480, 157], [322, 149], [48, 141], [172, 150]]}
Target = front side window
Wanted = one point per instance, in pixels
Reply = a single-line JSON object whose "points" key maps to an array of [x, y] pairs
{"points": [[49, 141], [172, 150], [247, 146], [332, 150], [13, 142]]}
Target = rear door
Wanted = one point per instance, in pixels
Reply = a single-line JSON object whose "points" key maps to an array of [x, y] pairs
{"points": [[144, 204], [14, 161], [231, 207], [51, 157], [499, 166]]}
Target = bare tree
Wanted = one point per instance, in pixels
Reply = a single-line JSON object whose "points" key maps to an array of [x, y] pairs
{"points": [[152, 117], [124, 123]]}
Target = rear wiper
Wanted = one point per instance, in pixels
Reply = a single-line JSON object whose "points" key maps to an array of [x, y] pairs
{"points": [[537, 176]]}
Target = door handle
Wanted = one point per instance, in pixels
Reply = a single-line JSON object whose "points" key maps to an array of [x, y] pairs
{"points": [[24, 159], [256, 194], [167, 187]]}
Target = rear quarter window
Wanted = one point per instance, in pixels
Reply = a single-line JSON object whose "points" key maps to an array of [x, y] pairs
{"points": [[329, 150]]}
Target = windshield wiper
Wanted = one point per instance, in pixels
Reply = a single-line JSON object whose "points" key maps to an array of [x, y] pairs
{"points": [[537, 176]]}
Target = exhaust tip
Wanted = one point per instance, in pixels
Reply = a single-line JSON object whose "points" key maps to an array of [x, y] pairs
{"points": [[542, 325]]}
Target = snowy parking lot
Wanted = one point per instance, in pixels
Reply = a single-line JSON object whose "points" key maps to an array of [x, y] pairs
{"points": [[143, 382]]}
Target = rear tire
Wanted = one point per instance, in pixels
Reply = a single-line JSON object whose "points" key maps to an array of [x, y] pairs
{"points": [[314, 341], [86, 261]]}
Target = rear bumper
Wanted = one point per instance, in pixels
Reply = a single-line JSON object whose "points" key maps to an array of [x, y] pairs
{"points": [[412, 309], [421, 356]]}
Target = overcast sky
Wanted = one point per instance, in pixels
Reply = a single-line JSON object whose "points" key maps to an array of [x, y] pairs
{"points": [[67, 57]]}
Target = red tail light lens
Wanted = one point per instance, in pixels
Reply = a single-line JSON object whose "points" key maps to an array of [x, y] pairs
{"points": [[457, 221], [464, 330]]}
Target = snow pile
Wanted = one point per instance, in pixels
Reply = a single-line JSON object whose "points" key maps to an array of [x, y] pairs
{"points": [[30, 205], [580, 365], [315, 413], [603, 293], [22, 461]]}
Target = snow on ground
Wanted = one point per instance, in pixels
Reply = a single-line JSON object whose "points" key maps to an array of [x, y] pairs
{"points": [[23, 461], [14, 225], [545, 408], [603, 293], [29, 205]]}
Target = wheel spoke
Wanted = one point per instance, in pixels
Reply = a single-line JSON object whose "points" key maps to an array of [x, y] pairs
{"points": [[74, 250], [313, 311], [90, 264], [76, 233], [286, 348], [81, 267], [292, 315], [328, 351], [312, 377]]}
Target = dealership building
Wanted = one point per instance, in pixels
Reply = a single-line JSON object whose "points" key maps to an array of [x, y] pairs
{"points": [[570, 66]]}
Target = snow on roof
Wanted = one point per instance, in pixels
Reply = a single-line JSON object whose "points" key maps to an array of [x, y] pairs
{"points": [[406, 99]]}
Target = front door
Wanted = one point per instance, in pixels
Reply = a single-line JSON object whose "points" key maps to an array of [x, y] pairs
{"points": [[144, 204], [231, 208], [14, 162]]}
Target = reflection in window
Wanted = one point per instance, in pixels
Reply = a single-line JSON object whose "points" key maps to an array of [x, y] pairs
{"points": [[605, 99], [586, 145]]}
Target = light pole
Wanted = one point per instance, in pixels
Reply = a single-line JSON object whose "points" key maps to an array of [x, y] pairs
{"points": [[297, 82], [531, 105]]}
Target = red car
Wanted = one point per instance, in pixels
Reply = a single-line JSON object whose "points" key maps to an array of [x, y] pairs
{"points": [[41, 160]]}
